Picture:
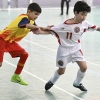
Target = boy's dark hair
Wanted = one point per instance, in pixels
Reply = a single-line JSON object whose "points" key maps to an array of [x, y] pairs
{"points": [[81, 6], [34, 7]]}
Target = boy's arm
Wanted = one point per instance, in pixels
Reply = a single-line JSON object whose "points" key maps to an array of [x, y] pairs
{"points": [[38, 30], [24, 23], [32, 27], [45, 30], [42, 31]]}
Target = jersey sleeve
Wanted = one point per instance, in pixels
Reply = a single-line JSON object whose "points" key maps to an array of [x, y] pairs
{"points": [[23, 22], [56, 28], [91, 27]]}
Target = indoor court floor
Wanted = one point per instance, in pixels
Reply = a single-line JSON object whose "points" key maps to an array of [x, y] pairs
{"points": [[41, 63]]}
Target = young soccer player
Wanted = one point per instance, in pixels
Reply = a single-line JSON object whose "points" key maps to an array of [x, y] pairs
{"points": [[13, 33], [68, 34]]}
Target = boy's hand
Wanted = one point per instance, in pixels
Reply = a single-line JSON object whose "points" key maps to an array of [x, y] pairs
{"points": [[50, 26], [46, 28]]}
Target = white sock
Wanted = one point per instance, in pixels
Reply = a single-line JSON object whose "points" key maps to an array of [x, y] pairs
{"points": [[55, 77], [80, 76]]}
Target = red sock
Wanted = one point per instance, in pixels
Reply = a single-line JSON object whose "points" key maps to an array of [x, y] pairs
{"points": [[19, 69], [21, 63]]}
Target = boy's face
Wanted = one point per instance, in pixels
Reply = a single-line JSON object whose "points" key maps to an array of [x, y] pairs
{"points": [[81, 16], [32, 15]]}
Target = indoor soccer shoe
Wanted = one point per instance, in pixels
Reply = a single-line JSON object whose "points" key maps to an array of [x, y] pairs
{"points": [[80, 86], [48, 85], [17, 79]]}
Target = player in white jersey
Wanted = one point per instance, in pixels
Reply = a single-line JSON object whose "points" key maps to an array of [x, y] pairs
{"points": [[68, 34]]}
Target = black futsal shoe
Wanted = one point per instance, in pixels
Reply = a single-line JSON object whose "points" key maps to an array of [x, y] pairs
{"points": [[80, 86], [48, 85]]}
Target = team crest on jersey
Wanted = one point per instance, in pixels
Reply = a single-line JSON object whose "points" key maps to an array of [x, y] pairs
{"points": [[76, 29]]}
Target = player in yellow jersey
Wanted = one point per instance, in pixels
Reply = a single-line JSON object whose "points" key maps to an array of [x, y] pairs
{"points": [[13, 33]]}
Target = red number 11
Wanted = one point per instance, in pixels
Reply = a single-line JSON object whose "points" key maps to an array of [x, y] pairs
{"points": [[68, 35]]}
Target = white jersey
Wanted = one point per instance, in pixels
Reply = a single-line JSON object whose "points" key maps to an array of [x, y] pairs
{"points": [[69, 35]]}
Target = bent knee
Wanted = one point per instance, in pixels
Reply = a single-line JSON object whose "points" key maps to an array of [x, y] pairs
{"points": [[83, 69], [61, 71], [25, 54]]}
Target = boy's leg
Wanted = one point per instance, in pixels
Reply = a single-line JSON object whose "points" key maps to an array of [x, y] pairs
{"points": [[1, 57], [79, 58], [80, 76], [18, 51], [20, 66], [55, 77], [21, 62], [57, 74], [61, 62], [2, 49], [81, 71]]}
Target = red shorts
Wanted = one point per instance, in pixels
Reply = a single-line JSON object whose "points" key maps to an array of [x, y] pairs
{"points": [[14, 49]]}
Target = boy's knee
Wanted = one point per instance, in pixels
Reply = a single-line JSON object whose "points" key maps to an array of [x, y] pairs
{"points": [[61, 71], [83, 69], [25, 55]]}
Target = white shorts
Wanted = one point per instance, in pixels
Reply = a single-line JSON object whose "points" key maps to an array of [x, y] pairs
{"points": [[63, 59]]}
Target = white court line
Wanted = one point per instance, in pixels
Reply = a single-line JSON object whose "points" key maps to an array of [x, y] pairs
{"points": [[54, 50], [45, 82], [93, 63], [39, 45]]}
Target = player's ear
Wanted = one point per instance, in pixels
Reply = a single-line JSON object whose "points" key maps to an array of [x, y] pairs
{"points": [[28, 11]]}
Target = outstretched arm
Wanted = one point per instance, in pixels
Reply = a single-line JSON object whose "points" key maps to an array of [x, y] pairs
{"points": [[33, 27], [39, 30], [42, 30]]}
